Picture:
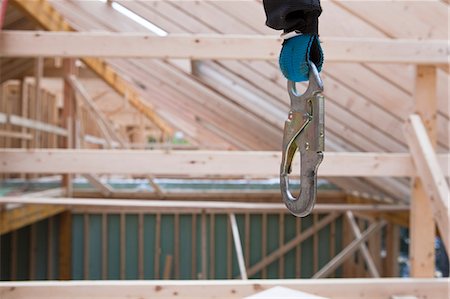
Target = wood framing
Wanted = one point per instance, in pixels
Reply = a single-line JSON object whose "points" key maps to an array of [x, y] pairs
{"points": [[430, 173], [44, 13], [226, 289], [105, 205], [249, 47], [422, 224], [202, 163], [18, 217]]}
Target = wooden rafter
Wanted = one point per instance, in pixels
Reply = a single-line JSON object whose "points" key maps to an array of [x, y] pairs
{"points": [[213, 46], [50, 19]]}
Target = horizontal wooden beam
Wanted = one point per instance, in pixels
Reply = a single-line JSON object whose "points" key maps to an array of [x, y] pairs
{"points": [[383, 288], [106, 205], [103, 44], [201, 163]]}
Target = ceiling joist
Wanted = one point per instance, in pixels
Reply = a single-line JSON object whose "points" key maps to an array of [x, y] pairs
{"points": [[213, 46]]}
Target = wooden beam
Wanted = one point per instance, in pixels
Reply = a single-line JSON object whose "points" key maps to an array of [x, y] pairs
{"points": [[213, 46], [430, 174], [225, 289], [12, 219], [291, 244], [201, 163], [238, 246], [348, 251], [363, 247], [84, 204], [50, 19], [103, 124], [422, 224], [18, 135]]}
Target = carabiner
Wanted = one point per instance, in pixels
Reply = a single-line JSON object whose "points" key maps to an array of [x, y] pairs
{"points": [[303, 130]]}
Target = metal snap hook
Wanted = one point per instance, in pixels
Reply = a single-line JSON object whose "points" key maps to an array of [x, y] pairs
{"points": [[303, 131]]}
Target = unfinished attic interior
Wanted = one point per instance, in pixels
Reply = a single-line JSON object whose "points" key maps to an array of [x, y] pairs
{"points": [[141, 144]]}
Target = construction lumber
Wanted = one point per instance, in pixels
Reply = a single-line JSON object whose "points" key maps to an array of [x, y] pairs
{"points": [[202, 163], [12, 219], [282, 250], [50, 19], [213, 46], [363, 247], [229, 289], [430, 173], [187, 206], [348, 251], [238, 246], [422, 224]]}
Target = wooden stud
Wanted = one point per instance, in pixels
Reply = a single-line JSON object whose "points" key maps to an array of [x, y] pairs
{"points": [[274, 255], [50, 251], [86, 256], [122, 233], [263, 245], [157, 245], [347, 251], [422, 225], [280, 243], [105, 251], [65, 246], [238, 246], [141, 245], [298, 248], [176, 243], [363, 247], [194, 247], [204, 273]]}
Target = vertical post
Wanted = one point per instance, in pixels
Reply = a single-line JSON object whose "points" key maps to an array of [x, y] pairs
{"points": [[65, 225], [65, 246], [69, 116], [422, 226], [38, 73], [391, 268]]}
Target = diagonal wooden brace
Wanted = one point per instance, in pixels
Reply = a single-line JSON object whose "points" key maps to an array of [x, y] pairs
{"points": [[430, 173]]}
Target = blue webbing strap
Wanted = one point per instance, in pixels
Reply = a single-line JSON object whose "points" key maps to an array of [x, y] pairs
{"points": [[296, 53]]}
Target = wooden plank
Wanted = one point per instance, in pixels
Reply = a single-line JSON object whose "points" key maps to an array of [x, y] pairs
{"points": [[141, 246], [213, 46], [204, 273], [363, 247], [65, 246], [238, 246], [18, 135], [391, 264], [45, 14], [202, 163], [347, 251], [82, 204], [274, 255], [167, 274], [22, 216], [422, 224], [225, 289], [429, 171], [157, 246], [123, 248]]}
